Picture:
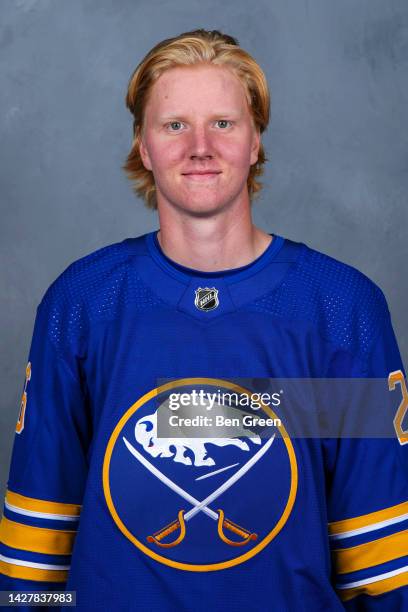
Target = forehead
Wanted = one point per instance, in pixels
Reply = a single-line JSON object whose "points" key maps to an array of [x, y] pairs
{"points": [[197, 87]]}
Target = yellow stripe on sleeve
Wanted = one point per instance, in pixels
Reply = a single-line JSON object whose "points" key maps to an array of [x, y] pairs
{"points": [[371, 553], [31, 573], [374, 588], [41, 505], [368, 519], [36, 539]]}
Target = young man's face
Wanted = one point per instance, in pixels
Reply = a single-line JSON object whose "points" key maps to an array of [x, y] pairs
{"points": [[197, 120]]}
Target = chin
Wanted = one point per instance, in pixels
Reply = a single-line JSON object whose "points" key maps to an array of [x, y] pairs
{"points": [[197, 201], [200, 208]]}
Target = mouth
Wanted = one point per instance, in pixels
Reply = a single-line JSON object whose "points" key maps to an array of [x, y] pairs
{"points": [[201, 176]]}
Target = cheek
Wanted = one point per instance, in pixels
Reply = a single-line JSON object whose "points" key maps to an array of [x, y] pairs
{"points": [[236, 154], [165, 155]]}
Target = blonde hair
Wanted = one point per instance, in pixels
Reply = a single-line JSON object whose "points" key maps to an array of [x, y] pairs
{"points": [[187, 49]]}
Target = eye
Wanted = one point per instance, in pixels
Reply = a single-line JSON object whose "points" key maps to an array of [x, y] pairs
{"points": [[174, 126], [223, 123]]}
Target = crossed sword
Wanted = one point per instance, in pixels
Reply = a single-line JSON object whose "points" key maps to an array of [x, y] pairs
{"points": [[201, 506]]}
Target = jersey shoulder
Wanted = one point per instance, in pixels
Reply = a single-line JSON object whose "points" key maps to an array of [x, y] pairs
{"points": [[345, 284], [344, 304], [81, 278], [93, 288]]}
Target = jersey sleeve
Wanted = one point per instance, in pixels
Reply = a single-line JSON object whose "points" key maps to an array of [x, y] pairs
{"points": [[49, 461], [368, 494]]}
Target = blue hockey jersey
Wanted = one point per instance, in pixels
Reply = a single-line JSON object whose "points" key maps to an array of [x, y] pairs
{"points": [[99, 503]]}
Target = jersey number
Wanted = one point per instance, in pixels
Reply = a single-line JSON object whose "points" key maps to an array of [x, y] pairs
{"points": [[393, 379], [21, 414]]}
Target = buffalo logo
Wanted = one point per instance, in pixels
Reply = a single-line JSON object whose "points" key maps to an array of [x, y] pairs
{"points": [[176, 448], [197, 503], [206, 298]]}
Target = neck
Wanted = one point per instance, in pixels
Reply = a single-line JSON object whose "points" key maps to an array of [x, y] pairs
{"points": [[218, 242]]}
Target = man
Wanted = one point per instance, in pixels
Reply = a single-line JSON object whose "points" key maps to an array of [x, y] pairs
{"points": [[149, 326]]}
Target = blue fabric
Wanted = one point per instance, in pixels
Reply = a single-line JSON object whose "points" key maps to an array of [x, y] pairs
{"points": [[116, 324]]}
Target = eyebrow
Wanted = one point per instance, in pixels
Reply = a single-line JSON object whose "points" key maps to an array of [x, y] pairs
{"points": [[178, 117]]}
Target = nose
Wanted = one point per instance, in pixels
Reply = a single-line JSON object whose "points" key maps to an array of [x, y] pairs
{"points": [[201, 143]]}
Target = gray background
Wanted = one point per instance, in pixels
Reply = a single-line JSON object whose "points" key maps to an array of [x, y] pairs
{"points": [[337, 144]]}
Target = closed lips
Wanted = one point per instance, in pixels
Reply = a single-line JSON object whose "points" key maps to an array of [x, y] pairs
{"points": [[203, 172], [201, 177]]}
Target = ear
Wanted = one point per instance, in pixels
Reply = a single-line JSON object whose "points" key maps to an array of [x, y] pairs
{"points": [[256, 142], [144, 154]]}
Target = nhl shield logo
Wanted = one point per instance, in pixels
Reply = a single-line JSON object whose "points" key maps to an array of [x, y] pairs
{"points": [[206, 298]]}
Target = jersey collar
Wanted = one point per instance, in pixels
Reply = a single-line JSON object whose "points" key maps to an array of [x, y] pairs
{"points": [[234, 275]]}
